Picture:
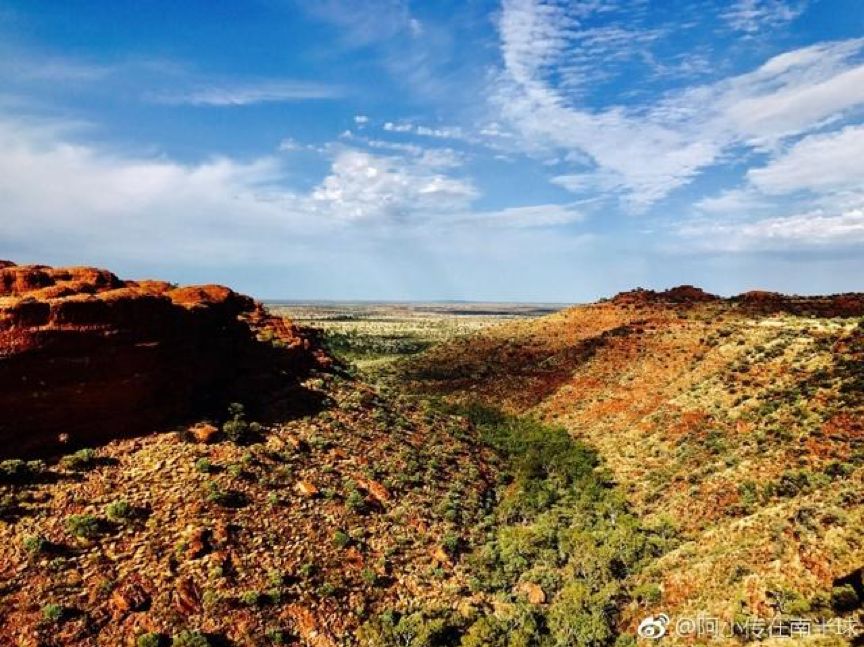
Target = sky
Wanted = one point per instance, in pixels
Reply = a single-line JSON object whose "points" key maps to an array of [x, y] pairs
{"points": [[521, 150]]}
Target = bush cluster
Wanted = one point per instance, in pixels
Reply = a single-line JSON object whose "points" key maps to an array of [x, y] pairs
{"points": [[558, 523]]}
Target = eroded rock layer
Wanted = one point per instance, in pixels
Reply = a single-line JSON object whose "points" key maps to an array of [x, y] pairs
{"points": [[86, 356]]}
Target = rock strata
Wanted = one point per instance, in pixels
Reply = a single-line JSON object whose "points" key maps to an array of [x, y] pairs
{"points": [[86, 356]]}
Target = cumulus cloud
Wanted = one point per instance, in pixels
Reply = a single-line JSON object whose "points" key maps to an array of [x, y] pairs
{"points": [[364, 186], [64, 197]]}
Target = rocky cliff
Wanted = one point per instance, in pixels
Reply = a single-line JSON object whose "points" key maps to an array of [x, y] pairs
{"points": [[86, 356]]}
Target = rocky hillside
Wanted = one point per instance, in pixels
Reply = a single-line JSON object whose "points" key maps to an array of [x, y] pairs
{"points": [[658, 452], [296, 519], [738, 424], [86, 357], [245, 535]]}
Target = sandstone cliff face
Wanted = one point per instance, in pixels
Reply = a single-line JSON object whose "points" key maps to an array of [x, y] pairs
{"points": [[85, 356]]}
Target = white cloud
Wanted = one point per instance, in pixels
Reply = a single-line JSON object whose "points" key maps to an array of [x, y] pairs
{"points": [[812, 230], [751, 16], [61, 196], [542, 215], [818, 163], [137, 206], [366, 21], [288, 144], [644, 152], [438, 132], [52, 69], [243, 94], [362, 186], [733, 201], [361, 120], [820, 174], [398, 128]]}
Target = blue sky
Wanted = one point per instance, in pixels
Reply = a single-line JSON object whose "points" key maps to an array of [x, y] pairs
{"points": [[534, 150]]}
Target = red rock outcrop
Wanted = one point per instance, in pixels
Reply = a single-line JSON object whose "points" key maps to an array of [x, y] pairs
{"points": [[755, 302], [850, 304], [682, 294], [85, 356]]}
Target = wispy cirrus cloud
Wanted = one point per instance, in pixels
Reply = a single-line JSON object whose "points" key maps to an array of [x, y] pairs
{"points": [[163, 81], [751, 16], [643, 152], [247, 93], [363, 22], [54, 69]]}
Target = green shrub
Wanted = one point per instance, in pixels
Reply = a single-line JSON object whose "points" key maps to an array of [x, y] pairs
{"points": [[580, 617], [452, 543], [18, 471], [85, 526], [844, 599], [9, 504], [35, 544], [236, 428], [369, 577], [204, 465], [355, 501], [414, 630], [190, 639], [793, 604], [277, 637], [838, 470], [485, 632], [559, 523], [225, 498], [341, 539], [80, 461], [53, 613], [748, 493], [648, 594], [148, 640], [119, 511], [251, 598], [308, 570]]}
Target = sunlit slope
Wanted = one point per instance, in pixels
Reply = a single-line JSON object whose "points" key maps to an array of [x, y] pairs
{"points": [[738, 422]]}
